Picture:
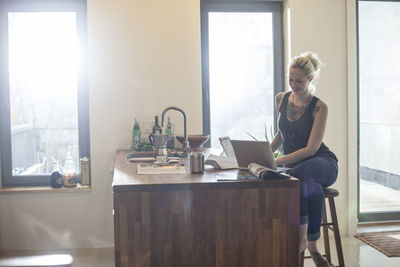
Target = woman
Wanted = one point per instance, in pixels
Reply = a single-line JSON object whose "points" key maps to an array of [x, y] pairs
{"points": [[301, 127]]}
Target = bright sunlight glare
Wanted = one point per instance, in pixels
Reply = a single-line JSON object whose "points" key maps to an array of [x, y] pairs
{"points": [[43, 74], [241, 74], [43, 50]]}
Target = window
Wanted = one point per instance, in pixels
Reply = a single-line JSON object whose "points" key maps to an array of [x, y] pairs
{"points": [[379, 111], [242, 65], [44, 92]]}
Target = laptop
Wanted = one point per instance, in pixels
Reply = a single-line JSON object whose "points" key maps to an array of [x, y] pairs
{"points": [[247, 152]]}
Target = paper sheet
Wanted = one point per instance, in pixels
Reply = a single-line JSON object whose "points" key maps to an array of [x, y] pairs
{"points": [[221, 162]]}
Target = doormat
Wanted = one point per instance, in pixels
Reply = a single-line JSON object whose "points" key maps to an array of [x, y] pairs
{"points": [[386, 242]]}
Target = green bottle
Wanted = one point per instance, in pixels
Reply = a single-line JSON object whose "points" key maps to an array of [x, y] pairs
{"points": [[169, 130], [136, 133]]}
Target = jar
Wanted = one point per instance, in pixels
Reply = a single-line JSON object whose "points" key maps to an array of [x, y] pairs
{"points": [[196, 162], [69, 173]]}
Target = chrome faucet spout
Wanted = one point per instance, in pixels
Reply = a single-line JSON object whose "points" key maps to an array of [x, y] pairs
{"points": [[185, 142]]}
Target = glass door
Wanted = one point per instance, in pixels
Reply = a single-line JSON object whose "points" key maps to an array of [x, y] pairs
{"points": [[379, 110]]}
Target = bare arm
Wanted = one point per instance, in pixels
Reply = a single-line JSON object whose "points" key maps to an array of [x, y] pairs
{"points": [[315, 140], [277, 141]]}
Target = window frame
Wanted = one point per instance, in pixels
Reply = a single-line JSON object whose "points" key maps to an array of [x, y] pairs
{"points": [[78, 6], [276, 8]]}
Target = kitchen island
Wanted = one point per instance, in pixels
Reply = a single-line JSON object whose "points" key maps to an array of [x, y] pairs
{"points": [[194, 220]]}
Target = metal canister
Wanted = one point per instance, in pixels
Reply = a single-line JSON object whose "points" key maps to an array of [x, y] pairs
{"points": [[85, 171], [196, 162]]}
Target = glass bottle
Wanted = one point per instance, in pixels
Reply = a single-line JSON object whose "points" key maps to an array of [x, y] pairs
{"points": [[69, 172], [56, 178], [136, 133], [169, 130], [156, 128]]}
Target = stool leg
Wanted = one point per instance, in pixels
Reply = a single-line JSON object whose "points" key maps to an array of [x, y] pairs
{"points": [[336, 232], [301, 259], [326, 235]]}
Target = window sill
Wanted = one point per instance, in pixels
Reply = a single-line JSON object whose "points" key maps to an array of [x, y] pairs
{"points": [[42, 189]]}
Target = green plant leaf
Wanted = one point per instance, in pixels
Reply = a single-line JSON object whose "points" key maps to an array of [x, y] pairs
{"points": [[277, 154], [265, 132], [272, 133], [251, 136]]}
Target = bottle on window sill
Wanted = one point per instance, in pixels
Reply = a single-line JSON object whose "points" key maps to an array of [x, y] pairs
{"points": [[85, 172], [56, 178], [69, 172]]}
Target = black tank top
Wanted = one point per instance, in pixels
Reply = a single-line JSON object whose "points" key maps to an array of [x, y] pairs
{"points": [[295, 134]]}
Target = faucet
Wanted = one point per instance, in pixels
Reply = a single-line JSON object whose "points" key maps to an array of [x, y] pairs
{"points": [[185, 143]]}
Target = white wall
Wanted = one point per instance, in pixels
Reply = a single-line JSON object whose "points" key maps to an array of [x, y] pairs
{"points": [[144, 56]]}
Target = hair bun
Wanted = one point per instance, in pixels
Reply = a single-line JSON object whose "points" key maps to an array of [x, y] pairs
{"points": [[313, 58]]}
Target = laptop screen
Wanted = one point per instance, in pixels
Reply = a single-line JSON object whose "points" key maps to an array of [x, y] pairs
{"points": [[253, 152]]}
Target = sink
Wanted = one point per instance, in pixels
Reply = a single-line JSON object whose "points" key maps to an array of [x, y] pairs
{"points": [[195, 140]]}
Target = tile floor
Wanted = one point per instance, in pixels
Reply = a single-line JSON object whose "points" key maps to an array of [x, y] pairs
{"points": [[87, 257], [359, 254], [356, 253]]}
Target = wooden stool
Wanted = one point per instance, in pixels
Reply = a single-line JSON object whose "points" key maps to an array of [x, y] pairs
{"points": [[56, 260], [330, 194]]}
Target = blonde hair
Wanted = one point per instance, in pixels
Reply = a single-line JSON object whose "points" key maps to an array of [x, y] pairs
{"points": [[310, 64]]}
